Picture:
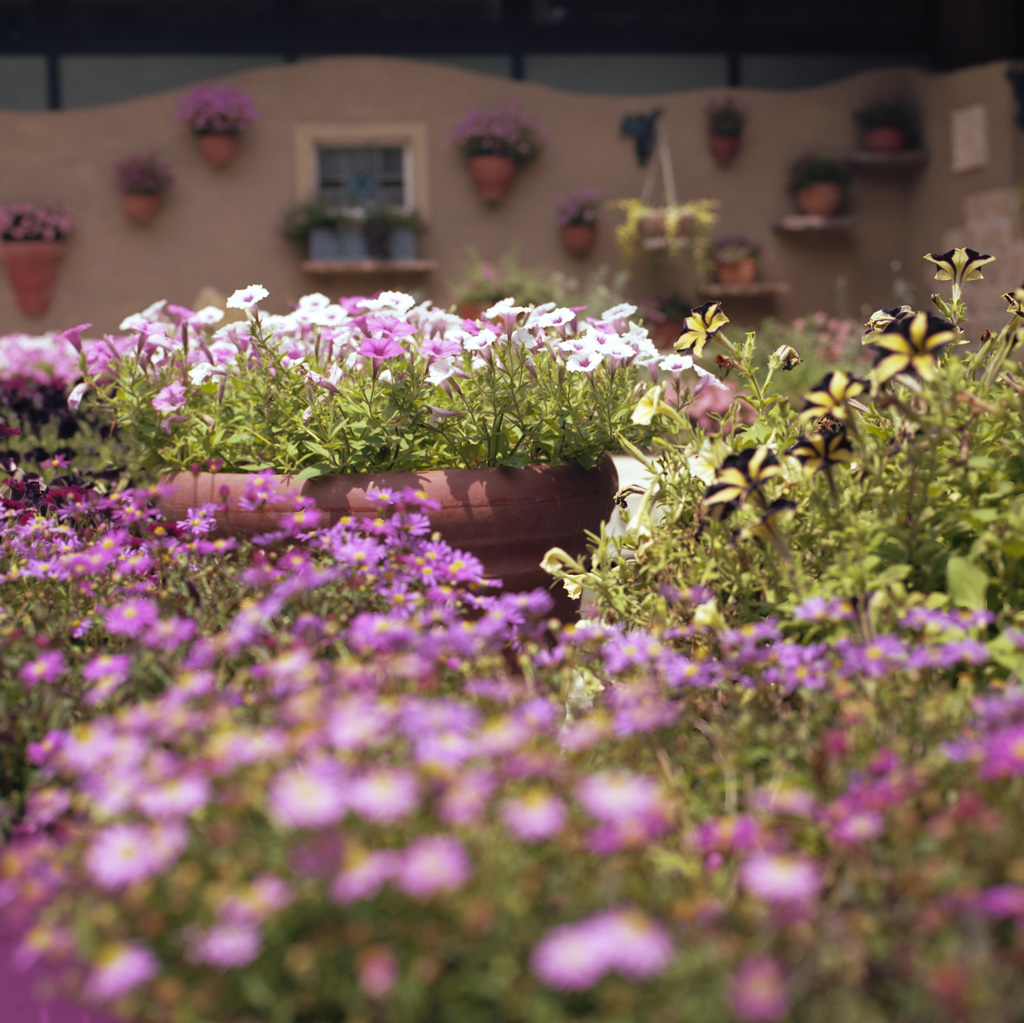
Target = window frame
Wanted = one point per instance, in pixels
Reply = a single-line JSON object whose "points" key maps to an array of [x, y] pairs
{"points": [[409, 136]]}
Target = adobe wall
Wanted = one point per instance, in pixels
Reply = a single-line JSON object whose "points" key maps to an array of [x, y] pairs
{"points": [[220, 228]]}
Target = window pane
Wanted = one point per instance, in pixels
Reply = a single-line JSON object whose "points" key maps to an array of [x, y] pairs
{"points": [[358, 177]]}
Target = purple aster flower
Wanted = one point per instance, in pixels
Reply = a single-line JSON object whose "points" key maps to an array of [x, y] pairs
{"points": [[535, 816], [1001, 900], [224, 945], [363, 874], [47, 667], [132, 617], [377, 968], [859, 826], [433, 864], [118, 969], [310, 795], [465, 801], [781, 879], [758, 991], [122, 854], [384, 794], [574, 957]]}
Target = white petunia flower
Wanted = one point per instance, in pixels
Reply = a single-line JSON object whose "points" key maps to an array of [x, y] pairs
{"points": [[248, 298]]}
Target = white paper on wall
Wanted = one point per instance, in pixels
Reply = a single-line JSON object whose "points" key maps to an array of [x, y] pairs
{"points": [[969, 137]]}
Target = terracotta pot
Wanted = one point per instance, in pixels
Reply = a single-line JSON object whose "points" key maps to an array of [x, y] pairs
{"points": [[140, 208], [821, 199], [219, 148], [884, 140], [492, 175], [742, 272], [471, 310], [666, 334], [32, 271], [578, 239], [508, 518], [723, 148]]}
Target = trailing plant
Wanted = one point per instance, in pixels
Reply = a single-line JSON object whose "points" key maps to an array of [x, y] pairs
{"points": [[580, 207]]}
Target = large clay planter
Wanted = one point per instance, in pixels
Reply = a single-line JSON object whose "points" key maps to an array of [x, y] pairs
{"points": [[219, 148], [508, 518], [140, 208], [742, 272], [32, 271], [821, 199], [578, 239], [492, 175], [723, 148], [886, 139]]}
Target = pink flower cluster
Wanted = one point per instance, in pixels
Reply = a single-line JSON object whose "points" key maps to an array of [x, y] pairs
{"points": [[27, 221], [209, 109]]}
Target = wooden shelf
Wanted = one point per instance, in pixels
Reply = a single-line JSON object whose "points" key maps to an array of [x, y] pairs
{"points": [[759, 289], [370, 267], [896, 158], [796, 223]]}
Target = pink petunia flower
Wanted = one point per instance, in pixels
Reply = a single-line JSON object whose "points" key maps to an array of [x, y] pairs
{"points": [[170, 398]]}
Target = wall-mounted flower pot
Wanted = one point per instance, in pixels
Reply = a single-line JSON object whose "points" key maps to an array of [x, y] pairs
{"points": [[578, 239], [723, 148], [326, 245], [885, 139], [492, 176], [404, 243], [32, 271], [140, 208], [821, 199], [219, 148], [743, 271]]}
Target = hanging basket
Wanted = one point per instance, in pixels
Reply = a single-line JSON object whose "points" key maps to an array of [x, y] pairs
{"points": [[32, 270], [219, 148], [493, 176], [578, 239], [723, 148], [140, 209]]}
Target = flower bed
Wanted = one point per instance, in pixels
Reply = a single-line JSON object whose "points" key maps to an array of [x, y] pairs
{"points": [[331, 774]]}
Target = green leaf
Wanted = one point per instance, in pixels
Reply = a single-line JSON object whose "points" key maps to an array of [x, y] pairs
{"points": [[967, 583]]}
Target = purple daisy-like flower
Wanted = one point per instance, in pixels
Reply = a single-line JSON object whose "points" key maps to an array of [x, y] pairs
{"points": [[757, 993], [310, 795], [433, 864], [47, 667], [535, 816], [224, 945], [782, 879], [384, 794], [118, 969], [132, 617]]}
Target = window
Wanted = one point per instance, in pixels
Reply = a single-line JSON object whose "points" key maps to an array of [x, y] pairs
{"points": [[353, 165]]}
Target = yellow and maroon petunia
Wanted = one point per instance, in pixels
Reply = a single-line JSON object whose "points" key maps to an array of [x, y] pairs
{"points": [[831, 396], [700, 327], [911, 345], [739, 477], [958, 265], [823, 449]]}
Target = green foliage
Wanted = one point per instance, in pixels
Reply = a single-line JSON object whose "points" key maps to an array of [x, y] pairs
{"points": [[899, 490]]}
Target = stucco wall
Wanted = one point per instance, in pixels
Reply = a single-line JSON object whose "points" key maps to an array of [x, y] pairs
{"points": [[221, 227]]}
